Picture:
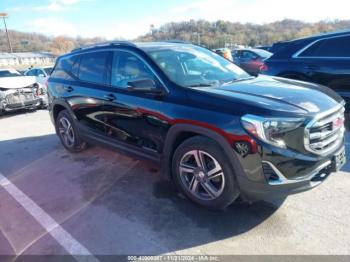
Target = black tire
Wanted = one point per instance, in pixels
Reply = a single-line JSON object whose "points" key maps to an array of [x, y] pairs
{"points": [[211, 151], [74, 145]]}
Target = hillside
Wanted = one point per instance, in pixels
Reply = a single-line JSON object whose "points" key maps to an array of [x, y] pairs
{"points": [[210, 34]]}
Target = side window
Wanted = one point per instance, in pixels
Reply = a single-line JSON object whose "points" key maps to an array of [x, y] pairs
{"points": [[333, 47], [63, 68], [127, 67], [93, 67], [30, 73], [248, 55]]}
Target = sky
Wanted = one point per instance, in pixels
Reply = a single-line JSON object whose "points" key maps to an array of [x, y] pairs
{"points": [[130, 18]]}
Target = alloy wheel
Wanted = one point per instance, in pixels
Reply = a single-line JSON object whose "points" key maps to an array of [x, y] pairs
{"points": [[202, 175], [66, 132]]}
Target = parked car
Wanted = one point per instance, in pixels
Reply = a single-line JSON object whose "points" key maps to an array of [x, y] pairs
{"points": [[17, 91], [224, 52], [264, 47], [322, 59], [41, 74], [251, 60], [216, 131]]}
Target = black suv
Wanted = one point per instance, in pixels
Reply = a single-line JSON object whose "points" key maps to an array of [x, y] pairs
{"points": [[322, 59], [216, 131]]}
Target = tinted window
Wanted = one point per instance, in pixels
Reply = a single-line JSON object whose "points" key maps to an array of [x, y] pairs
{"points": [[63, 68], [93, 67], [334, 47], [248, 55], [31, 72], [127, 67]]}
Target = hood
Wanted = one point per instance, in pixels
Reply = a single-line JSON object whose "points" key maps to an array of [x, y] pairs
{"points": [[17, 82], [272, 91]]}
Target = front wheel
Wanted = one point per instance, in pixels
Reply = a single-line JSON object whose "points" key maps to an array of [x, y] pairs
{"points": [[203, 173], [68, 134]]}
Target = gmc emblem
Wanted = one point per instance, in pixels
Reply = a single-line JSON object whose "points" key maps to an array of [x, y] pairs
{"points": [[337, 123]]}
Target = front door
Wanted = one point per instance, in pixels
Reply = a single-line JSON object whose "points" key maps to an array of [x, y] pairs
{"points": [[132, 117]]}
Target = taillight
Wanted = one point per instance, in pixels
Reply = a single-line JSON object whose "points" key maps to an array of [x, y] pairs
{"points": [[263, 67]]}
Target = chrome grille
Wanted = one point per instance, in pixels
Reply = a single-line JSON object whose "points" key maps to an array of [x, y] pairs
{"points": [[325, 133]]}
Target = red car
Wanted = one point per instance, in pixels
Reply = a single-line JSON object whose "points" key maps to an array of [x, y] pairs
{"points": [[251, 60]]}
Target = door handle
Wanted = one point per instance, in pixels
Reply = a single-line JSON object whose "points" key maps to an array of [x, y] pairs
{"points": [[110, 97], [68, 88]]}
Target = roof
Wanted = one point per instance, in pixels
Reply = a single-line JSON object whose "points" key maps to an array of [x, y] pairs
{"points": [[141, 45]]}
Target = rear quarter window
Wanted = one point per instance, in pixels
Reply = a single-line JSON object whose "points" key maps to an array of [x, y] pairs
{"points": [[94, 66], [63, 68]]}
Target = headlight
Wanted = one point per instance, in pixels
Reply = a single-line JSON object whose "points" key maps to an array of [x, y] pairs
{"points": [[270, 130]]}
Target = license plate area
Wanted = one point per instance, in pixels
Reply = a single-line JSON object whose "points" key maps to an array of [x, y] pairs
{"points": [[339, 160]]}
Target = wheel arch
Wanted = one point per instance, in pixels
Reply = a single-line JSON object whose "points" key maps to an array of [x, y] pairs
{"points": [[180, 132]]}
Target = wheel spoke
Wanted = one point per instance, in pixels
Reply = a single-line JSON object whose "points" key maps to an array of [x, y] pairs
{"points": [[194, 185], [187, 168], [209, 188], [199, 159], [216, 169], [216, 175]]}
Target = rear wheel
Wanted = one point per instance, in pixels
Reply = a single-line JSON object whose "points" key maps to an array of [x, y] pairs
{"points": [[203, 173], [68, 134]]}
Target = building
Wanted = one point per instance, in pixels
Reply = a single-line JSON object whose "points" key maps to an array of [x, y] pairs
{"points": [[26, 59]]}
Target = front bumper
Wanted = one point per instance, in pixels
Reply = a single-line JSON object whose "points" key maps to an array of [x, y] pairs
{"points": [[29, 104], [264, 180]]}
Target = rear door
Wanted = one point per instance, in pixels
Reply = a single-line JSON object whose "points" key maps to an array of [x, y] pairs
{"points": [[327, 62], [84, 89]]}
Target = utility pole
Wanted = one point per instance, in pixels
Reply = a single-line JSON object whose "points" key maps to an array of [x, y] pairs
{"points": [[4, 16]]}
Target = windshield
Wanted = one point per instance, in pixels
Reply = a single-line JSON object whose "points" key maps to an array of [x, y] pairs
{"points": [[9, 73], [189, 65]]}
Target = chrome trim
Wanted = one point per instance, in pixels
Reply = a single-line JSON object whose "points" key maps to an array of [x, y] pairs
{"points": [[283, 180], [325, 117], [296, 55]]}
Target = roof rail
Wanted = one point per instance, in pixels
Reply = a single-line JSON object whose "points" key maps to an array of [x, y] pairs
{"points": [[176, 41], [101, 44]]}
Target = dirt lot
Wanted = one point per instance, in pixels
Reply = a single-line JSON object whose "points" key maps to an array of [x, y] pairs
{"points": [[101, 202]]}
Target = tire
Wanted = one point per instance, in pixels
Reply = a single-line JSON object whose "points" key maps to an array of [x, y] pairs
{"points": [[213, 188], [68, 133]]}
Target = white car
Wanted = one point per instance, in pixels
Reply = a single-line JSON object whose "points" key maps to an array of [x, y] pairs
{"points": [[41, 73], [18, 91]]}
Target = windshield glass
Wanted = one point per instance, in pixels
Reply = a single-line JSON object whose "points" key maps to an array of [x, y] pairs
{"points": [[9, 73], [189, 65]]}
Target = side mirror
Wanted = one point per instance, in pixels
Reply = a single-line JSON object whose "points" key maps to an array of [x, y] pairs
{"points": [[145, 85]]}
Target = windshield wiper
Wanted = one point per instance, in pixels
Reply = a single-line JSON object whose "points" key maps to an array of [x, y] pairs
{"points": [[240, 79], [201, 85]]}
